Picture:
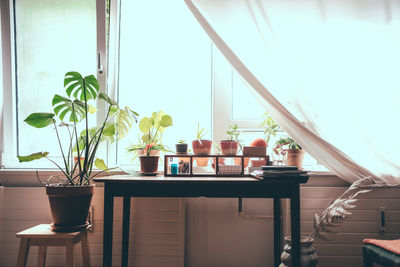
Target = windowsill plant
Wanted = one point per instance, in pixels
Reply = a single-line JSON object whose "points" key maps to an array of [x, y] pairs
{"points": [[181, 147], [150, 143], [287, 148], [231, 145], [75, 185], [201, 146]]}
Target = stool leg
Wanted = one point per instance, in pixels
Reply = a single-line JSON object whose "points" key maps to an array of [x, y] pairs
{"points": [[367, 259], [70, 253], [23, 252], [85, 250], [42, 256]]}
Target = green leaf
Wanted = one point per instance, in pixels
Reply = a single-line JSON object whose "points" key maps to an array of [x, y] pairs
{"points": [[76, 85], [124, 121], [62, 106], [166, 121], [108, 99], [99, 163], [40, 120], [33, 156], [145, 125]]}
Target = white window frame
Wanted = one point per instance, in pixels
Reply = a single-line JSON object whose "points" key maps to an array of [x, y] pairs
{"points": [[8, 111]]}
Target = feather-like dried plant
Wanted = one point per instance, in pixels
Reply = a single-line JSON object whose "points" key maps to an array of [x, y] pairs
{"points": [[337, 211]]}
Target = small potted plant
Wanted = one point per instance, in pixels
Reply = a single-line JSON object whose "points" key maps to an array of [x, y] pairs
{"points": [[150, 143], [201, 146], [70, 195], [181, 147], [293, 152], [231, 145]]}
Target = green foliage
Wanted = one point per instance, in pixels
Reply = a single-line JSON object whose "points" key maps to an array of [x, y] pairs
{"points": [[271, 128], [152, 129], [234, 134], [115, 126], [33, 156], [181, 141], [200, 132], [40, 120], [285, 142]]}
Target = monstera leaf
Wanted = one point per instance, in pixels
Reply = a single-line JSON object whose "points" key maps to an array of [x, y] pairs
{"points": [[99, 163], [33, 156], [62, 106], [123, 120], [40, 120], [77, 86]]}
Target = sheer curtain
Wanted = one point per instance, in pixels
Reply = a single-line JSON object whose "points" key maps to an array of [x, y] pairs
{"points": [[327, 71]]}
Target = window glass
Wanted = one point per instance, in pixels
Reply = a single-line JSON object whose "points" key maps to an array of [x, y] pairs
{"points": [[165, 64], [52, 38], [245, 106]]}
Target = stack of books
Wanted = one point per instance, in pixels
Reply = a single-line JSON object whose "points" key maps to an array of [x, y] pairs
{"points": [[279, 171]]}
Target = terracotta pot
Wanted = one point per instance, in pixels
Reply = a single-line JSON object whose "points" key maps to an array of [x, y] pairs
{"points": [[202, 147], [69, 206], [229, 147], [258, 162], [148, 164], [221, 161], [181, 148], [294, 157], [308, 257], [202, 161], [152, 153], [238, 161]]}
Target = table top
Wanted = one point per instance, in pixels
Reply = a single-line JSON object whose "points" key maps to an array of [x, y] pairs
{"points": [[161, 179]]}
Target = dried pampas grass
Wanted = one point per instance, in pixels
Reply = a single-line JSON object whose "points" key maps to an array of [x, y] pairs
{"points": [[337, 211]]}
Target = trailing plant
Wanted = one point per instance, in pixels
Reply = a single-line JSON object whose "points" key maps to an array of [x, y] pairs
{"points": [[271, 128], [337, 211], [152, 129], [233, 134], [73, 111], [285, 143]]}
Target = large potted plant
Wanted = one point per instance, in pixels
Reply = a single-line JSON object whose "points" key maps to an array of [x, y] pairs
{"points": [[201, 147], [70, 196], [150, 143], [291, 150]]}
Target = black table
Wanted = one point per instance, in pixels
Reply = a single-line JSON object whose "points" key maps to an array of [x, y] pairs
{"points": [[127, 186]]}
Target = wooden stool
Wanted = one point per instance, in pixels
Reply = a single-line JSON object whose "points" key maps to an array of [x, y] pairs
{"points": [[42, 236]]}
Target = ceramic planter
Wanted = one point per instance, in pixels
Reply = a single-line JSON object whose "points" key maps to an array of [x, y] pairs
{"points": [[202, 147], [148, 164], [308, 257], [181, 148], [294, 157], [229, 147], [69, 206]]}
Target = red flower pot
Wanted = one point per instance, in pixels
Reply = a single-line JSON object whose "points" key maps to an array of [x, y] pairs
{"points": [[229, 147], [202, 147]]}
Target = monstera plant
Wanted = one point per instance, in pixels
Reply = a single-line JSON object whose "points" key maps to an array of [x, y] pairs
{"points": [[72, 111]]}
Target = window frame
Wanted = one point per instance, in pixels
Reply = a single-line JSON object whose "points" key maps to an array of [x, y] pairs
{"points": [[9, 142]]}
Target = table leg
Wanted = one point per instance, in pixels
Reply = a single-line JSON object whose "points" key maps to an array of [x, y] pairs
{"points": [[23, 252], [108, 225], [295, 225], [42, 256], [277, 232], [125, 230]]}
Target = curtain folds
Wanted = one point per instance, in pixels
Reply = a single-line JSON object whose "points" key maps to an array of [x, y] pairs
{"points": [[326, 71]]}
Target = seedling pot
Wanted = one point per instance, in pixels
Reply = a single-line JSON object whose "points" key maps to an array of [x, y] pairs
{"points": [[229, 147], [149, 164]]}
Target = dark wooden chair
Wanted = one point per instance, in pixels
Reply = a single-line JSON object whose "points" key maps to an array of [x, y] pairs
{"points": [[384, 252]]}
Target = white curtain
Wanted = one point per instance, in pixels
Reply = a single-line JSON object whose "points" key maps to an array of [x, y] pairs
{"points": [[327, 71]]}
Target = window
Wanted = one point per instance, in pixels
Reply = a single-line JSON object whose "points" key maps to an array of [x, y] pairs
{"points": [[48, 39], [165, 64]]}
